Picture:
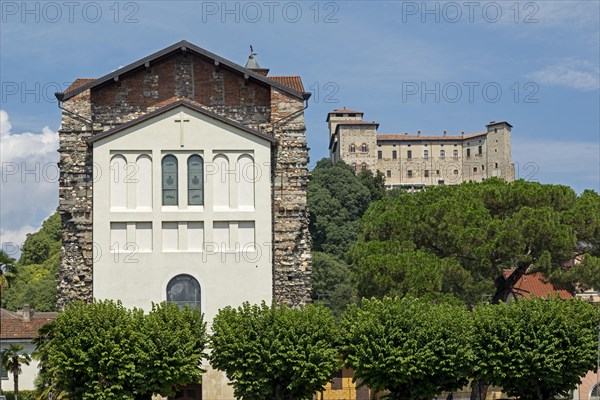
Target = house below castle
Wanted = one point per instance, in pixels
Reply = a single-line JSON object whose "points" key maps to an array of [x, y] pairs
{"points": [[414, 161]]}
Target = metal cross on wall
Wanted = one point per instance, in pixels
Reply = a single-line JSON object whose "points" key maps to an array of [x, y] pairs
{"points": [[181, 121]]}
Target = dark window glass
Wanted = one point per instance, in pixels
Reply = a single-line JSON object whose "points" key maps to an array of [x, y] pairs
{"points": [[409, 154], [394, 154], [468, 152], [426, 173], [169, 181], [184, 290], [195, 172], [480, 150], [379, 154], [389, 173]]}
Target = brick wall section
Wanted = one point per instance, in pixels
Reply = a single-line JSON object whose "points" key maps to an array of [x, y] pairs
{"points": [[220, 90]]}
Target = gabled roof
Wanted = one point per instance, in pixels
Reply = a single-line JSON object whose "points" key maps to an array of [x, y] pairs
{"points": [[174, 103], [534, 285], [14, 326], [184, 46], [293, 82], [393, 137]]}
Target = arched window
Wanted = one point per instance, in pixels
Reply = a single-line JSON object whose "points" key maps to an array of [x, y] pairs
{"points": [[118, 185], [144, 182], [169, 181], [474, 169], [246, 179], [352, 148], [363, 147], [195, 180], [221, 181], [363, 166], [595, 393], [184, 290]]}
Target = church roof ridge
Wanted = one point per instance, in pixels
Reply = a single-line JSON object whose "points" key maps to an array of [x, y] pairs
{"points": [[172, 103], [184, 46]]}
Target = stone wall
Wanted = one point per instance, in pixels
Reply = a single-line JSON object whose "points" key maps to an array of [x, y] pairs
{"points": [[220, 90]]}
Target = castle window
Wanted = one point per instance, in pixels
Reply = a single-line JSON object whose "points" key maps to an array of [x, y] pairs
{"points": [[339, 115], [184, 290], [409, 173], [352, 148], [363, 166], [474, 169], [483, 167], [425, 153], [380, 154], [437, 172], [170, 185], [480, 150], [455, 154], [496, 165], [389, 173], [363, 148], [442, 153], [426, 173], [409, 154], [352, 115], [455, 172], [195, 176], [468, 153], [394, 154]]}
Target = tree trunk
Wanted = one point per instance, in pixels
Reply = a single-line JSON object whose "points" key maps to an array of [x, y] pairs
{"points": [[16, 378], [479, 389]]}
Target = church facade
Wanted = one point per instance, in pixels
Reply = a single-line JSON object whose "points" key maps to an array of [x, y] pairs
{"points": [[183, 179], [416, 161]]}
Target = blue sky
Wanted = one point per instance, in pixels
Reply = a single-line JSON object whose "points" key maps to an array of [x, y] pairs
{"points": [[428, 66]]}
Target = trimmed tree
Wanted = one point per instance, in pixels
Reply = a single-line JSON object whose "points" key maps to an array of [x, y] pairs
{"points": [[275, 352], [536, 349], [104, 351], [411, 348]]}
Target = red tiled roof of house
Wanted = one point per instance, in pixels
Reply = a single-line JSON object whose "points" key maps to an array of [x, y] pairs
{"points": [[14, 325], [293, 82], [534, 285], [418, 137], [79, 82]]}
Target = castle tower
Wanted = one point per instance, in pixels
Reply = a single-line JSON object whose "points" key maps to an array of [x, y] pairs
{"points": [[351, 139], [499, 159]]}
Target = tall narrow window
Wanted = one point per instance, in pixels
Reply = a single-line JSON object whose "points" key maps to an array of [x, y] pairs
{"points": [[221, 181], [480, 150], [425, 153], [363, 148], [442, 153], [379, 154], [195, 177], [455, 153], [352, 148], [144, 182], [118, 185], [184, 290], [394, 154], [409, 173], [426, 173], [409, 154], [169, 181], [389, 173], [468, 153], [246, 179]]}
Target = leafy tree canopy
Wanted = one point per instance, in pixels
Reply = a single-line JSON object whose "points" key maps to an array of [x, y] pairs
{"points": [[104, 351], [413, 348], [476, 230], [331, 282], [275, 352], [337, 198], [536, 349]]}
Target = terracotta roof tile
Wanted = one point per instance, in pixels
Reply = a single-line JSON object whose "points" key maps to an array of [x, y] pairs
{"points": [[534, 285], [79, 82], [293, 82], [15, 327], [417, 137]]}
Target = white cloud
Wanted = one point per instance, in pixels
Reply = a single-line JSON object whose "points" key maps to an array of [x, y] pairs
{"points": [[28, 180], [571, 73]]}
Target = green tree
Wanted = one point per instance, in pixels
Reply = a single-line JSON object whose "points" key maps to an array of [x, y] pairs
{"points": [[491, 226], [275, 353], [104, 351], [337, 198], [12, 359], [7, 270], [331, 282], [412, 348], [536, 349]]}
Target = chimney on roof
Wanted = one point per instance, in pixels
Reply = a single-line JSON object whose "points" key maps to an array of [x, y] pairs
{"points": [[462, 133], [418, 133], [251, 64], [444, 133], [26, 313]]}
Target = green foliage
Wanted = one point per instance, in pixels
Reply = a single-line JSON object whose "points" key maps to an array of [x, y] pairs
{"points": [[536, 349], [275, 352], [34, 281], [23, 395], [337, 198], [476, 230], [7, 269], [413, 348], [13, 358], [104, 351], [331, 282]]}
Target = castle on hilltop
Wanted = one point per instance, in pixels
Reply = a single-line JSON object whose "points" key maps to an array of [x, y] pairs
{"points": [[415, 161]]}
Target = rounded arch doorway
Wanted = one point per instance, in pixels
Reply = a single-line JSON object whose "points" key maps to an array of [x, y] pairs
{"points": [[184, 290]]}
